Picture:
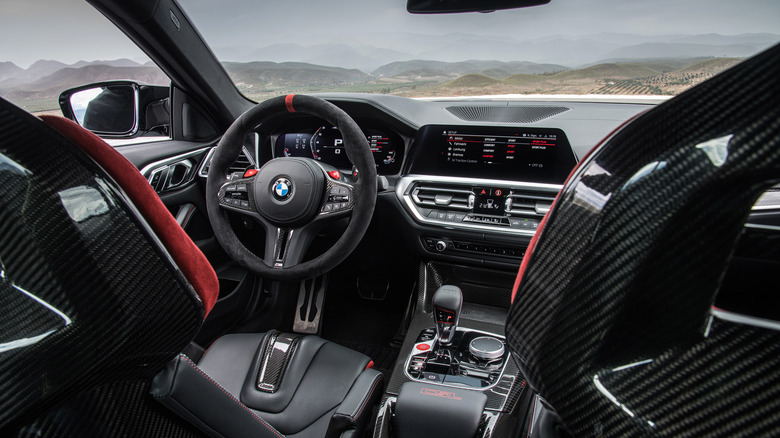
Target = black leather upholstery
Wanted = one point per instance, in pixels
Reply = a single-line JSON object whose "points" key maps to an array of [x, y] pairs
{"points": [[326, 389], [425, 411]]}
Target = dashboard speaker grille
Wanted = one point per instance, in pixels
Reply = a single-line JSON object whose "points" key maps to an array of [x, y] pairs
{"points": [[505, 114]]}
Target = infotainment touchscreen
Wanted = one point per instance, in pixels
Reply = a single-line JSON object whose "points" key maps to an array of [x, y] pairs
{"points": [[517, 154]]}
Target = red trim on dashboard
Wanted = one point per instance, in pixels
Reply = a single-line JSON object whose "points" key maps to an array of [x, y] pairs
{"points": [[288, 102], [190, 260]]}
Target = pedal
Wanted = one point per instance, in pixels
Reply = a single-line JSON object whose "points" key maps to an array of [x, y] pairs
{"points": [[308, 311]]}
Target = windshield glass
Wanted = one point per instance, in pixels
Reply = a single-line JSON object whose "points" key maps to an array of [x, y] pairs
{"points": [[269, 48], [612, 47]]}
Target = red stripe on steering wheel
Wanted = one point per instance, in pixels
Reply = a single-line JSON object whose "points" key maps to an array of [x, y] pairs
{"points": [[288, 103]]}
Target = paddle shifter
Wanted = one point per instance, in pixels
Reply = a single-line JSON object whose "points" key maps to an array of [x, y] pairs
{"points": [[446, 310]]}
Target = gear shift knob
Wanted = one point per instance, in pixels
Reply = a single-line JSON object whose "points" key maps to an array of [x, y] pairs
{"points": [[446, 311]]}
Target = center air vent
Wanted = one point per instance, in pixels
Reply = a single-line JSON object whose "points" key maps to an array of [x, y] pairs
{"points": [[470, 203], [505, 114], [522, 203], [443, 197]]}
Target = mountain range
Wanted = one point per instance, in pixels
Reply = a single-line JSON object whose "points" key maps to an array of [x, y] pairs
{"points": [[380, 48], [402, 63]]}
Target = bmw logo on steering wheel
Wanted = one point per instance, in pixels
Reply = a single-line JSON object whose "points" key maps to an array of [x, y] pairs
{"points": [[282, 189]]}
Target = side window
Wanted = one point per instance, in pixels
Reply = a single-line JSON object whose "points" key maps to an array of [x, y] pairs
{"points": [[64, 44]]}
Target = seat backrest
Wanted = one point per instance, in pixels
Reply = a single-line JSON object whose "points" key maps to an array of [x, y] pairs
{"points": [[89, 292], [612, 319]]}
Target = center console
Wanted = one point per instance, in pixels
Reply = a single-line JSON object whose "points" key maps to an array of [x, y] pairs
{"points": [[473, 360], [449, 356], [456, 377]]}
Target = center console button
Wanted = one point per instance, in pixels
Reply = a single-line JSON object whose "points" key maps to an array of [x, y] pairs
{"points": [[423, 347], [433, 377], [486, 348]]}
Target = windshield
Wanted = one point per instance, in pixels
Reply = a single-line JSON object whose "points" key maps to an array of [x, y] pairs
{"points": [[269, 48], [612, 47]]}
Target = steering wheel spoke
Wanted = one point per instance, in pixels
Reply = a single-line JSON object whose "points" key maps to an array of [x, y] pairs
{"points": [[237, 196], [339, 198], [285, 247], [279, 246]]}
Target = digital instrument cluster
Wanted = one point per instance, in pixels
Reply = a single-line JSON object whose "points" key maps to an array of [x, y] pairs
{"points": [[325, 143]]}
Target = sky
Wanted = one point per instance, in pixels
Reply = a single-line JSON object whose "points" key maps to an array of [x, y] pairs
{"points": [[71, 30]]}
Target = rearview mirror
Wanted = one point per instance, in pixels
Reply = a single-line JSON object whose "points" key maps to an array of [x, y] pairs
{"points": [[449, 6], [114, 108]]}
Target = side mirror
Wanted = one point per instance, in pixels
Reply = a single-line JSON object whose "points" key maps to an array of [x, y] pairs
{"points": [[114, 108]]}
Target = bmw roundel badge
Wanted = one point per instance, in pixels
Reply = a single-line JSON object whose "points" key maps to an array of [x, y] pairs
{"points": [[282, 189]]}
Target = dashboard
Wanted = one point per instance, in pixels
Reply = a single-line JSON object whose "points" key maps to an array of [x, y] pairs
{"points": [[467, 180]]}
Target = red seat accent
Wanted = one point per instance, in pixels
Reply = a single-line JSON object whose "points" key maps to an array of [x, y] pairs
{"points": [[188, 257]]}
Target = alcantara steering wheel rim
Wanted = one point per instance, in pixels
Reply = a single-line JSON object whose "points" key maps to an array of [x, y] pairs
{"points": [[361, 196]]}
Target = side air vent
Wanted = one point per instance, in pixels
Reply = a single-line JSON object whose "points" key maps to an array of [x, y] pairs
{"points": [[242, 163], [443, 197], [770, 200], [522, 203], [505, 114]]}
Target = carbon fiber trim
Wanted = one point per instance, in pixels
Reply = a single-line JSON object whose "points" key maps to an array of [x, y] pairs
{"points": [[122, 409], [89, 294], [612, 319], [278, 350]]}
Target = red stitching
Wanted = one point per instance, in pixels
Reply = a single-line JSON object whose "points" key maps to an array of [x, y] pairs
{"points": [[369, 397], [231, 397]]}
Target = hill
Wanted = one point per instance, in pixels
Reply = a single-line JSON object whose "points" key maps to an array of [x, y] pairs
{"points": [[291, 74], [652, 78], [472, 80], [683, 50], [494, 69], [42, 94], [9, 70], [263, 79], [616, 71]]}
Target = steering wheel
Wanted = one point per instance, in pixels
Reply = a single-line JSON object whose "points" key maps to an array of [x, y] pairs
{"points": [[292, 198]]}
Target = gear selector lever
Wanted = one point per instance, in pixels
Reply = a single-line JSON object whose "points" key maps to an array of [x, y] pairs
{"points": [[446, 310]]}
